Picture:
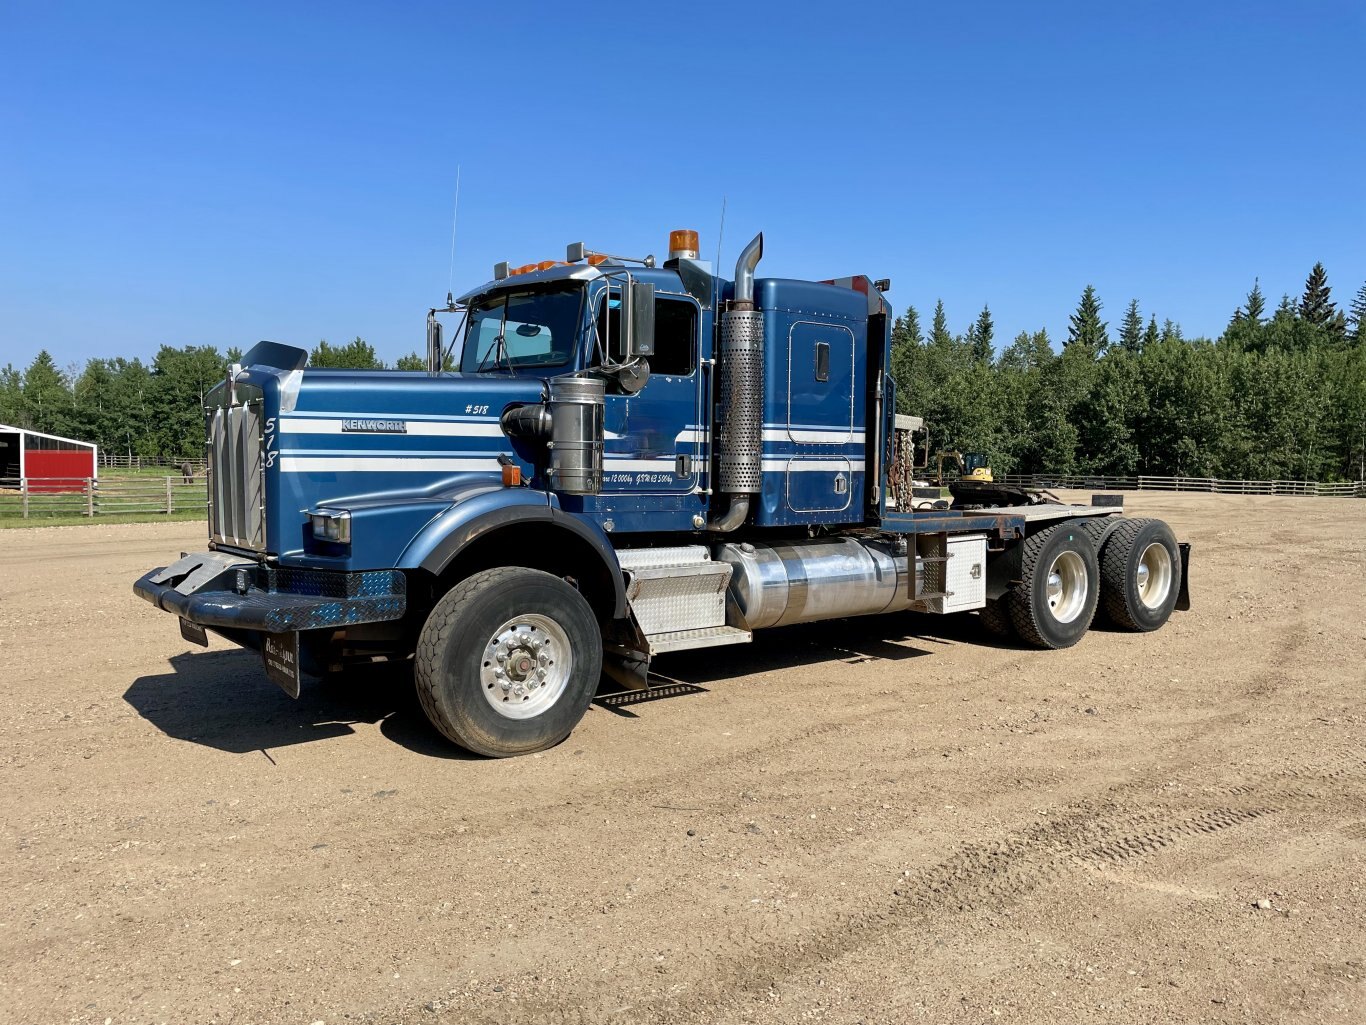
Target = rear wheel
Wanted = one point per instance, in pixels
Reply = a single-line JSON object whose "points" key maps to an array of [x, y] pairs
{"points": [[1054, 600], [508, 661], [1140, 570]]}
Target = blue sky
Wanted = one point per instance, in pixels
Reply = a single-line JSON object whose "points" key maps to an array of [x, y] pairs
{"points": [[222, 173]]}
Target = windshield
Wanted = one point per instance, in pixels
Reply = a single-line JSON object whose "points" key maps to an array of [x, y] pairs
{"points": [[516, 330]]}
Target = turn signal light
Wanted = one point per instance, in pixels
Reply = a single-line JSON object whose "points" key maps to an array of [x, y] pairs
{"points": [[547, 264], [595, 259], [512, 476]]}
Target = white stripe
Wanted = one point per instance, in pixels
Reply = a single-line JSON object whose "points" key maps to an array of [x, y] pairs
{"points": [[841, 436], [618, 465], [416, 428], [381, 464], [812, 465], [305, 414]]}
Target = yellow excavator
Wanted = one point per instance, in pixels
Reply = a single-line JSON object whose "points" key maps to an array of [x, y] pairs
{"points": [[971, 466]]}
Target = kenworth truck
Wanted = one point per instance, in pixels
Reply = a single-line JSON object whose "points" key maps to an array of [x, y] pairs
{"points": [[630, 460]]}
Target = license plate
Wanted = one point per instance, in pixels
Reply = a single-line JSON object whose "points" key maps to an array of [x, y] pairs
{"points": [[194, 633], [280, 652]]}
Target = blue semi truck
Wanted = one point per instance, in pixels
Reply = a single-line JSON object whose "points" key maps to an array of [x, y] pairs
{"points": [[610, 460]]}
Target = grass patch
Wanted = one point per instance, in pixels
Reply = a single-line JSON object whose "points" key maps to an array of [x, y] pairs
{"points": [[80, 520], [114, 472]]}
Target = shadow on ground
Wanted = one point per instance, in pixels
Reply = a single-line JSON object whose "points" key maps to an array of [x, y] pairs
{"points": [[223, 700], [853, 642]]}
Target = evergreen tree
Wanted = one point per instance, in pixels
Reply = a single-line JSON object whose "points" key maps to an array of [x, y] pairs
{"points": [[982, 333], [906, 329], [1085, 325], [1171, 331], [1316, 306], [1131, 332], [1337, 327], [233, 355], [1358, 315], [1150, 334], [939, 328], [1256, 303], [47, 400]]}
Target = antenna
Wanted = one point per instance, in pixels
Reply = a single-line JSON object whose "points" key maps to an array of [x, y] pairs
{"points": [[455, 219], [719, 232]]}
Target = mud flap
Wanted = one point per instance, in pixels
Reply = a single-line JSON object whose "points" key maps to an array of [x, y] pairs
{"points": [[1183, 596], [280, 653], [193, 632]]}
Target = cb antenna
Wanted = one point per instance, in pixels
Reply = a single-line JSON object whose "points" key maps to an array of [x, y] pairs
{"points": [[719, 232], [455, 219]]}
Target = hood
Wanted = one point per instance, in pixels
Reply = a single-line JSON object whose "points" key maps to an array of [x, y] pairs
{"points": [[335, 438]]}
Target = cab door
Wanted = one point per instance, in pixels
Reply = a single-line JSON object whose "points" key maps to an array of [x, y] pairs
{"points": [[654, 439]]}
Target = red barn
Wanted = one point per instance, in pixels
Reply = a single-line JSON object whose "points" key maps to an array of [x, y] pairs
{"points": [[50, 463]]}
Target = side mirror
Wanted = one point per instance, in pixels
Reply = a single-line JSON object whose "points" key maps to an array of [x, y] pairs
{"points": [[639, 319], [434, 349]]}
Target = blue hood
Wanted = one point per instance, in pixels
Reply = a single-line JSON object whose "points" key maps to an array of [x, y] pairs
{"points": [[394, 448]]}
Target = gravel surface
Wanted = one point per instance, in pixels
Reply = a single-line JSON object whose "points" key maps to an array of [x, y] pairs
{"points": [[880, 820]]}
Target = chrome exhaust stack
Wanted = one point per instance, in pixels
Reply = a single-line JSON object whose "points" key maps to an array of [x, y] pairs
{"points": [[740, 434]]}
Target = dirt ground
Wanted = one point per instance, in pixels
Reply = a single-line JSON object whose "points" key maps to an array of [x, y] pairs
{"points": [[879, 820]]}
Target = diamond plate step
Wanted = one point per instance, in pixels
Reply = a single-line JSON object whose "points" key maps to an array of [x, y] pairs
{"points": [[654, 558], [666, 599], [706, 637]]}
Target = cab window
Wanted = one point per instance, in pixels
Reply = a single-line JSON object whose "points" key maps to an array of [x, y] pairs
{"points": [[675, 333]]}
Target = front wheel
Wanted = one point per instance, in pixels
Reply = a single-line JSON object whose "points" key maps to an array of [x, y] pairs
{"points": [[1054, 600], [508, 661]]}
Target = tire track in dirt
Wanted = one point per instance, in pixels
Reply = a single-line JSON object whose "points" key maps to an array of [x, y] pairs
{"points": [[747, 953]]}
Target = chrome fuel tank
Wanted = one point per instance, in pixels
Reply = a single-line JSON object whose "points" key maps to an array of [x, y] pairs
{"points": [[805, 581]]}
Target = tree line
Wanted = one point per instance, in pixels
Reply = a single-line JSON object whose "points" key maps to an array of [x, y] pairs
{"points": [[1281, 394], [150, 410]]}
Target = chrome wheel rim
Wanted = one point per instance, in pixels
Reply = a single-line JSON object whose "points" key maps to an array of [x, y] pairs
{"points": [[525, 666], [1154, 575], [1067, 586]]}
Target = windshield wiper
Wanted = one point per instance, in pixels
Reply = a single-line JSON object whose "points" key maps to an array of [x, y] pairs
{"points": [[500, 356]]}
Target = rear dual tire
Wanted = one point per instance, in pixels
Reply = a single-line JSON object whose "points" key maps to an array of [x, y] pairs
{"points": [[1053, 600], [1140, 574]]}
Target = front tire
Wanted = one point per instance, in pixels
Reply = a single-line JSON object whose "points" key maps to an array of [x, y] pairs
{"points": [[508, 661], [1054, 600]]}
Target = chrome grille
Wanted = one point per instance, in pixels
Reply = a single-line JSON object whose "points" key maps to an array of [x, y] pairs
{"points": [[237, 495]]}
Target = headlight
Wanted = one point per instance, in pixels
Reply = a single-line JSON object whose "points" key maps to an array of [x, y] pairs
{"points": [[331, 526]]}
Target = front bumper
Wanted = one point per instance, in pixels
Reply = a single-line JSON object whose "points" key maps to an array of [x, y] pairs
{"points": [[227, 592]]}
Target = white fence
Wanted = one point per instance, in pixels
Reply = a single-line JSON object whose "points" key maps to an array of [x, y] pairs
{"points": [[114, 461], [32, 497], [1209, 485]]}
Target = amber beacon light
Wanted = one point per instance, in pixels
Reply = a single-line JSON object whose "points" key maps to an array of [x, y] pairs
{"points": [[683, 244]]}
